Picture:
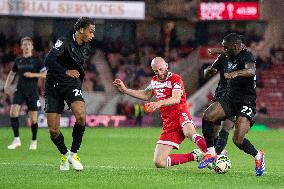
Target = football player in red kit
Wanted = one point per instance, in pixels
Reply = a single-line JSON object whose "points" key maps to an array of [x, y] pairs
{"points": [[169, 91]]}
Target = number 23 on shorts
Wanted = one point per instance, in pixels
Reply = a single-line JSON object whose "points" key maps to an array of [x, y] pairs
{"points": [[246, 110]]}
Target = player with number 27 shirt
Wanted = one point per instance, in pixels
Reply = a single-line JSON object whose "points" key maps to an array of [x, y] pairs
{"points": [[169, 91], [63, 83]]}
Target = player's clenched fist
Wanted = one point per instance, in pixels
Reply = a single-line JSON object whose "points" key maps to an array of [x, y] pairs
{"points": [[119, 84], [211, 70]]}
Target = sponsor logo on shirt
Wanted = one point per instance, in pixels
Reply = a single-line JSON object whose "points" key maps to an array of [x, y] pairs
{"points": [[160, 93], [58, 44], [231, 66], [157, 84]]}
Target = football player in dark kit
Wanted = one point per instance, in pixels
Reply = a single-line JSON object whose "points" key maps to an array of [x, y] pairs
{"points": [[239, 101], [29, 69], [63, 83], [221, 128]]}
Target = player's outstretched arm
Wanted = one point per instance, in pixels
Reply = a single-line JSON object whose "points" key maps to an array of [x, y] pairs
{"points": [[37, 75], [249, 71], [9, 80], [141, 94], [213, 68], [41, 74], [214, 51]]}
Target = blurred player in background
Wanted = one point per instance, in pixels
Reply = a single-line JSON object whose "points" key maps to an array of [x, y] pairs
{"points": [[29, 69], [239, 101], [169, 91], [64, 83]]}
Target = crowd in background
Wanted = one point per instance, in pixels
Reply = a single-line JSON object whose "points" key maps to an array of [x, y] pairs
{"points": [[131, 63], [128, 62], [10, 49]]}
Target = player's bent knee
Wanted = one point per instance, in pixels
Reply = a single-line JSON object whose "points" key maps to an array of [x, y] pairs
{"points": [[187, 133], [189, 130], [209, 116], [54, 132], [81, 119], [34, 120], [14, 113], [226, 129], [238, 140], [159, 163]]}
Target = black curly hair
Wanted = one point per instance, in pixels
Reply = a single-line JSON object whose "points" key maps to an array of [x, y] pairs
{"points": [[83, 22], [234, 38]]}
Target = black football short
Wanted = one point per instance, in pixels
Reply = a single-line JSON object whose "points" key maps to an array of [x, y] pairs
{"points": [[218, 94], [232, 119], [31, 98], [56, 94], [237, 109]]}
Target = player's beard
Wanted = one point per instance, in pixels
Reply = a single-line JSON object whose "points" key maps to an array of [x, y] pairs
{"points": [[87, 40], [164, 76]]}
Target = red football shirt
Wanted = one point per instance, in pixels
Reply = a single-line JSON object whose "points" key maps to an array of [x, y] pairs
{"points": [[163, 90]]}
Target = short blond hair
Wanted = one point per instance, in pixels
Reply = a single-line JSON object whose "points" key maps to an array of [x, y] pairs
{"points": [[26, 39]]}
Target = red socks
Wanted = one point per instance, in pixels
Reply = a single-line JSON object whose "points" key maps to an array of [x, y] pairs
{"points": [[200, 142], [176, 159]]}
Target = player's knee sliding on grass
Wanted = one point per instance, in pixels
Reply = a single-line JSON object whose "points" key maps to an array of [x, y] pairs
{"points": [[169, 91], [163, 157]]}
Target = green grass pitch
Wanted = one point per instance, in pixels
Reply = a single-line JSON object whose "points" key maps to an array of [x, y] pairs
{"points": [[122, 158]]}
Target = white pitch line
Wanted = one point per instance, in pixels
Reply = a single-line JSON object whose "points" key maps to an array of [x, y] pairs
{"points": [[119, 167], [88, 166]]}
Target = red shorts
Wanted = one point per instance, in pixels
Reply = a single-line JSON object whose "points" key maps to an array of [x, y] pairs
{"points": [[172, 134]]}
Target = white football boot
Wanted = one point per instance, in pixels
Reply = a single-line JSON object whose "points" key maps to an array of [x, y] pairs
{"points": [[64, 164], [33, 145], [15, 144], [74, 160]]}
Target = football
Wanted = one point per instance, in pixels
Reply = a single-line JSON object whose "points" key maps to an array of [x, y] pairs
{"points": [[222, 164]]}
